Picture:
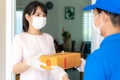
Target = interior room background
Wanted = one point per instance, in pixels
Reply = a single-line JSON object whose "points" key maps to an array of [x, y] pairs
{"points": [[78, 24], [54, 26], [56, 20]]}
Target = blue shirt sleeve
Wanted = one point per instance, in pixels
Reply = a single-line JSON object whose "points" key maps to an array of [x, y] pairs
{"points": [[96, 68]]}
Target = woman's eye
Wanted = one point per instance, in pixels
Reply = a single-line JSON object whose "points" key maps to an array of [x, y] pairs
{"points": [[37, 15], [44, 15], [40, 15]]}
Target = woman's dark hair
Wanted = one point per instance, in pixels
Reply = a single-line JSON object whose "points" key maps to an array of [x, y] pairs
{"points": [[115, 18], [30, 9]]}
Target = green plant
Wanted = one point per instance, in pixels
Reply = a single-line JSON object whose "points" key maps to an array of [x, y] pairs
{"points": [[66, 35]]}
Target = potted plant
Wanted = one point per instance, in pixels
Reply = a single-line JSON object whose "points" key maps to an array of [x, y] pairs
{"points": [[66, 41]]}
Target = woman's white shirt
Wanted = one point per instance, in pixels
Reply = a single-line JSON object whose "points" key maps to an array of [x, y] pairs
{"points": [[25, 46]]}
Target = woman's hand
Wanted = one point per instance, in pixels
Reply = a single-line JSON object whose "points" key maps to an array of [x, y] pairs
{"points": [[58, 73], [35, 62]]}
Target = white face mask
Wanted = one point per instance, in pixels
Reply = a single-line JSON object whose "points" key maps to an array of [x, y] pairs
{"points": [[97, 28], [97, 36], [39, 22]]}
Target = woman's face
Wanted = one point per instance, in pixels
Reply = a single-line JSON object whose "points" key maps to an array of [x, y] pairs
{"points": [[39, 13]]}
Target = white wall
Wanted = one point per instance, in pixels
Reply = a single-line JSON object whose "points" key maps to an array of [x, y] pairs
{"points": [[2, 39]]}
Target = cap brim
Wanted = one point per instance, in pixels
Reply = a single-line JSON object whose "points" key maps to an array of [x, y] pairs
{"points": [[89, 7]]}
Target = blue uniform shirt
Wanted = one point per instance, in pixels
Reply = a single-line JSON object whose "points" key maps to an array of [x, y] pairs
{"points": [[104, 63]]}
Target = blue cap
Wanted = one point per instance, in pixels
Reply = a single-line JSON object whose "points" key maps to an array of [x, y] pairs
{"points": [[112, 6]]}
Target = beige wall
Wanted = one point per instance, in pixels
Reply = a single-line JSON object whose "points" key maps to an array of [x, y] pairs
{"points": [[2, 39]]}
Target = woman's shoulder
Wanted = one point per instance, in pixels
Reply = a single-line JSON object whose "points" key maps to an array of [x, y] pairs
{"points": [[19, 36], [47, 35]]}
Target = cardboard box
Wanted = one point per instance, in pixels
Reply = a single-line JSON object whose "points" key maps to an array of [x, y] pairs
{"points": [[65, 60]]}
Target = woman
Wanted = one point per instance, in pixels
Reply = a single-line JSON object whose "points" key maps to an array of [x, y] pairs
{"points": [[31, 43]]}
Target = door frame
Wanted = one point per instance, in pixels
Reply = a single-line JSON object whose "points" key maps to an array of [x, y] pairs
{"points": [[10, 31]]}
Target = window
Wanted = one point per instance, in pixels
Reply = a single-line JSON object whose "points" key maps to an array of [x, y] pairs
{"points": [[87, 24], [18, 22]]}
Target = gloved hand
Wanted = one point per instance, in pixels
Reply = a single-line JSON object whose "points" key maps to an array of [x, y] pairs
{"points": [[35, 62], [81, 67], [58, 73]]}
